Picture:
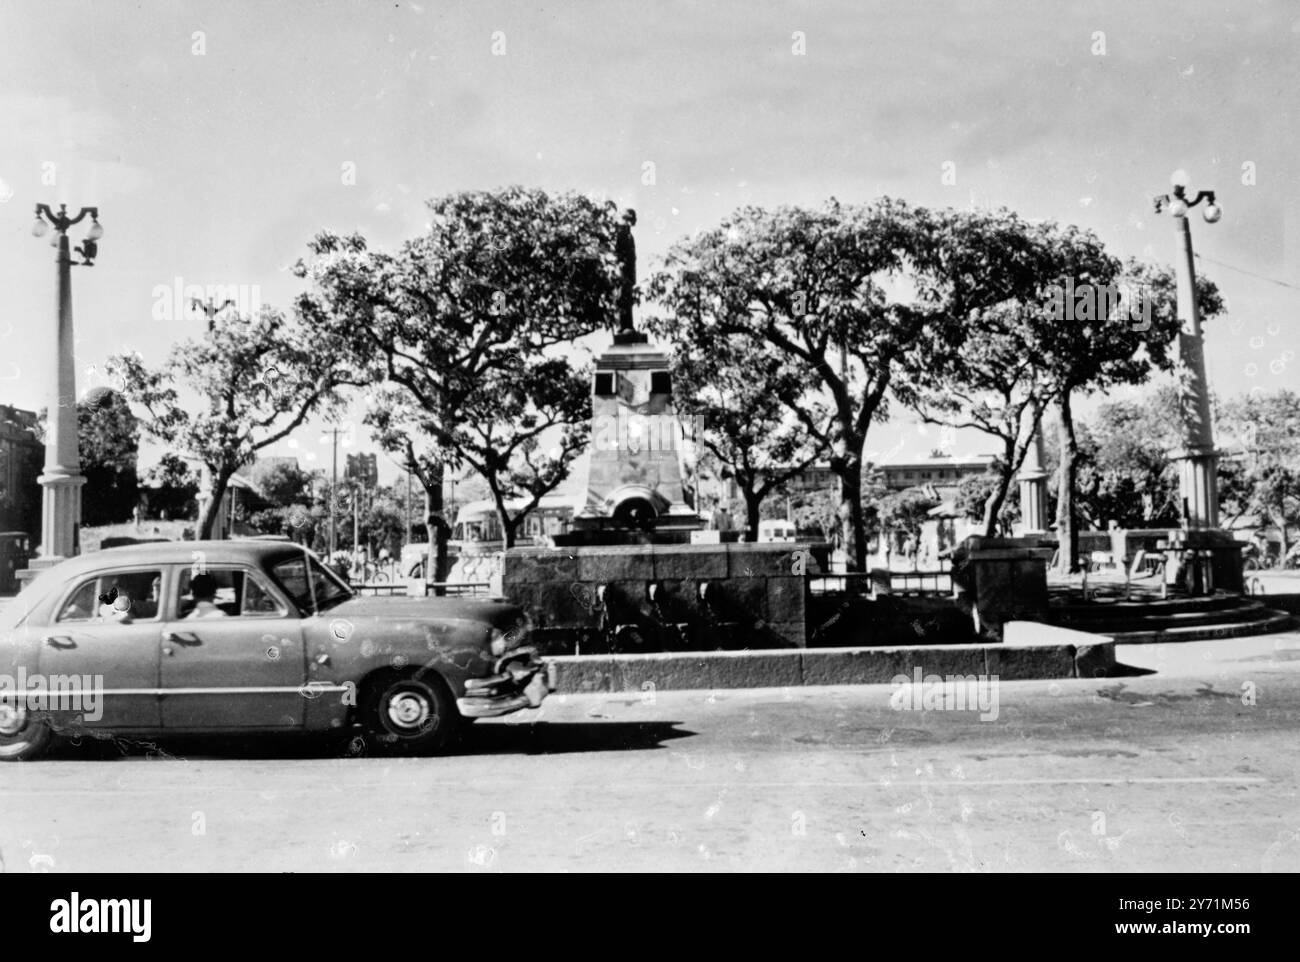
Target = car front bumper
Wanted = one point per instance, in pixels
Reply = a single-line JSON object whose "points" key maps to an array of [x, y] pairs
{"points": [[519, 679]]}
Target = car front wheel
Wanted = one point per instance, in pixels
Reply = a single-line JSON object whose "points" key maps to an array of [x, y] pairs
{"points": [[409, 715], [22, 735]]}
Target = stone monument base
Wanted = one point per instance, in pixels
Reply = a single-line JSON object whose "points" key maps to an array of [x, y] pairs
{"points": [[1002, 579]]}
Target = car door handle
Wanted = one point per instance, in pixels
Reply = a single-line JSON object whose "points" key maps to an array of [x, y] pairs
{"points": [[181, 637], [59, 641]]}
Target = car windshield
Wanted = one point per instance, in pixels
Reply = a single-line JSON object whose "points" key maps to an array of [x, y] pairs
{"points": [[16, 608], [324, 590]]}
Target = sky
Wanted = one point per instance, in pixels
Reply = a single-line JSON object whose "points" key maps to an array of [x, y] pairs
{"points": [[218, 138]]}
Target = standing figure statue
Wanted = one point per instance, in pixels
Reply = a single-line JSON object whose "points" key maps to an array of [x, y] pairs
{"points": [[625, 250]]}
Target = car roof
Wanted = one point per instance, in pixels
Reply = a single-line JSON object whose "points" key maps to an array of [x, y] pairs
{"points": [[181, 552]]}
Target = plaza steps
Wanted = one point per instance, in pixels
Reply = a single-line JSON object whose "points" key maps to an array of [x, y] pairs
{"points": [[1172, 620]]}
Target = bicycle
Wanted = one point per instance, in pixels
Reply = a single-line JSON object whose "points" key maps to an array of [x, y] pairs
{"points": [[372, 573]]}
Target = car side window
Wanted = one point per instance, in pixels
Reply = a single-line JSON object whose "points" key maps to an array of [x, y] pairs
{"points": [[81, 604], [258, 600], [209, 593], [119, 596]]}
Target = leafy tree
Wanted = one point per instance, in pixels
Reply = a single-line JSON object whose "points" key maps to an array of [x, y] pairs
{"points": [[825, 292], [171, 488], [1264, 431], [108, 444], [284, 482], [817, 510], [1277, 495], [1022, 352], [1123, 346], [973, 493], [741, 423], [1125, 474], [384, 521], [108, 436], [261, 378], [905, 512], [464, 327]]}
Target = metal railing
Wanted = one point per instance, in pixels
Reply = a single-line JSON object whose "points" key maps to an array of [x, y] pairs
{"points": [[457, 588], [383, 589], [920, 582], [880, 581]]}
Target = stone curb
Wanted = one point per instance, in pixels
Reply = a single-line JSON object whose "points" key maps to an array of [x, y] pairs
{"points": [[788, 668]]}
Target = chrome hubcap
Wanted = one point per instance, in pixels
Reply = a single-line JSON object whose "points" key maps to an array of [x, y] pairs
{"points": [[409, 710]]}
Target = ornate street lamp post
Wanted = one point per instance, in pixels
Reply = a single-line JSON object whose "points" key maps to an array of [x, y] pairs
{"points": [[1197, 459], [62, 478], [210, 310], [1207, 559]]}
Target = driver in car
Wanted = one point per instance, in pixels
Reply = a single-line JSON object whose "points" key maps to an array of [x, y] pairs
{"points": [[203, 589]]}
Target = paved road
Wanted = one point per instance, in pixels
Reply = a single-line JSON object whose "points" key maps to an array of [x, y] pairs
{"points": [[1168, 771]]}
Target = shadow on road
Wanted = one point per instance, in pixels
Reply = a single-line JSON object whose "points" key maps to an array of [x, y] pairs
{"points": [[538, 738], [560, 738]]}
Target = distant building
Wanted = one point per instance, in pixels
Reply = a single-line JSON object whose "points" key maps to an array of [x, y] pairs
{"points": [[815, 477], [21, 455], [942, 472]]}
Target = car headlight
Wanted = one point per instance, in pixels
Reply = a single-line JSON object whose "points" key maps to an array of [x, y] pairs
{"points": [[511, 637], [498, 644]]}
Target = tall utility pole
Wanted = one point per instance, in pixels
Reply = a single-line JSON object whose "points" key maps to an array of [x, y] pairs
{"points": [[62, 479], [334, 483], [1197, 459], [356, 520], [407, 538]]}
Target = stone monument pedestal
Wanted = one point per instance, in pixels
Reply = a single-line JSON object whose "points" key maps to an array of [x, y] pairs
{"points": [[638, 479], [1203, 561], [1002, 580]]}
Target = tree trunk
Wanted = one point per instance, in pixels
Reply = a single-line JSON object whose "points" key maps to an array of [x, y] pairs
{"points": [[437, 530], [752, 503], [442, 525], [1281, 527], [213, 509], [993, 506], [852, 535], [1067, 527], [507, 526]]}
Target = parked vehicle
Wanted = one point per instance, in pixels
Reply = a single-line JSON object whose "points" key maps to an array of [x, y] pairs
{"points": [[15, 551], [250, 636], [777, 530], [478, 529]]}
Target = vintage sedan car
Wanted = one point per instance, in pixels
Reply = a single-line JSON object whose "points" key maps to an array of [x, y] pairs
{"points": [[250, 636]]}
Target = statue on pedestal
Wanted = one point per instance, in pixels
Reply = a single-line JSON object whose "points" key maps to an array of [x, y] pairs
{"points": [[625, 249]]}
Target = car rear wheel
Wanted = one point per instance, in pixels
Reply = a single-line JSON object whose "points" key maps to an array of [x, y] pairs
{"points": [[22, 735], [409, 715]]}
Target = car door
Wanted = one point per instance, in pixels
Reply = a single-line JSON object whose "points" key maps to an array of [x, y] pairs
{"points": [[242, 668], [114, 654]]}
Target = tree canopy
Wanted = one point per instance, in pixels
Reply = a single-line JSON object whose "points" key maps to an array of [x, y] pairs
{"points": [[853, 302], [467, 328], [258, 380]]}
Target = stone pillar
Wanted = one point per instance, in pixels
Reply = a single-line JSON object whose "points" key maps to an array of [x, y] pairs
{"points": [[62, 478], [1197, 459], [1033, 488]]}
